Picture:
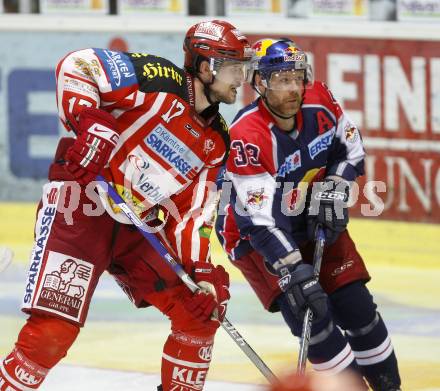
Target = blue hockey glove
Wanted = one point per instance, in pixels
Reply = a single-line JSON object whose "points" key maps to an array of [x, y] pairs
{"points": [[328, 207], [301, 288]]}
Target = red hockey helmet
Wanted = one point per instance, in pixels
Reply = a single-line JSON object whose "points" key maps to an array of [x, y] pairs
{"points": [[212, 40]]}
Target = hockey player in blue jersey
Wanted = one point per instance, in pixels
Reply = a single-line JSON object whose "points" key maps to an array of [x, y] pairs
{"points": [[294, 138]]}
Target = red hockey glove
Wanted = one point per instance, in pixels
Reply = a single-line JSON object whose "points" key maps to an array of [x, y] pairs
{"points": [[201, 306], [209, 304], [95, 141]]}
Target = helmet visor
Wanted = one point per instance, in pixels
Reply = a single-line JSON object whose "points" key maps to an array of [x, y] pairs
{"points": [[286, 80], [230, 71]]}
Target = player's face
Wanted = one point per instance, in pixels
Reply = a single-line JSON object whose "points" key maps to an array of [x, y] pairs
{"points": [[228, 78], [286, 103], [285, 90], [224, 92]]}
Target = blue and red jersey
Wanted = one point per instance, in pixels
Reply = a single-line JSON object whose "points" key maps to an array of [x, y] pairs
{"points": [[269, 172]]}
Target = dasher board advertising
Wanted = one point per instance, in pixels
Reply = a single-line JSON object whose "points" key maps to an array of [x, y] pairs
{"points": [[390, 87], [418, 10], [173, 7], [90, 7], [255, 8], [349, 9]]}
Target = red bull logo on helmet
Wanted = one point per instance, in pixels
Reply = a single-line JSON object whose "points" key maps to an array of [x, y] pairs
{"points": [[292, 53]]}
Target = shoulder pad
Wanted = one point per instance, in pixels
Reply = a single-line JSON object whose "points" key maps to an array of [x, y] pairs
{"points": [[320, 94], [157, 74]]}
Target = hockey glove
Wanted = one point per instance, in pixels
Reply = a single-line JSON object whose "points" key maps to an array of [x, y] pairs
{"points": [[95, 141], [302, 289], [328, 207], [209, 304]]}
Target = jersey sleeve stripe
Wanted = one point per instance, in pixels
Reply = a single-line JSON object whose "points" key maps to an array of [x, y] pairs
{"points": [[274, 150], [182, 225], [195, 236], [282, 238], [135, 126]]}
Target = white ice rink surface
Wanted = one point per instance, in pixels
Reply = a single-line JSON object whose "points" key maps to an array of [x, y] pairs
{"points": [[76, 378]]}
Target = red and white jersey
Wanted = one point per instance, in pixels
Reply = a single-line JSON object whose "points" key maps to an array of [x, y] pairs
{"points": [[167, 155]]}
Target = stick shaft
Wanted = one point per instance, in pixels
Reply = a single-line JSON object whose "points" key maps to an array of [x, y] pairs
{"points": [[187, 280], [308, 317]]}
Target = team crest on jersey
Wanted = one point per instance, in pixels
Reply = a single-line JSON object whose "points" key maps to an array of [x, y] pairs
{"points": [[351, 133], [89, 69], [256, 199], [64, 286], [208, 146]]}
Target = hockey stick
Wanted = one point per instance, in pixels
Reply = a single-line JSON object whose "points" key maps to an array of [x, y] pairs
{"points": [[187, 280], [308, 317]]}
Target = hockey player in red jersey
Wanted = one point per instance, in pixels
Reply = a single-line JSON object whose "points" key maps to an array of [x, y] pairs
{"points": [[293, 139], [154, 131]]}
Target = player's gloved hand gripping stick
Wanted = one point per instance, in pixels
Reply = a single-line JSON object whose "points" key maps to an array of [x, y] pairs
{"points": [[308, 317], [178, 269]]}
